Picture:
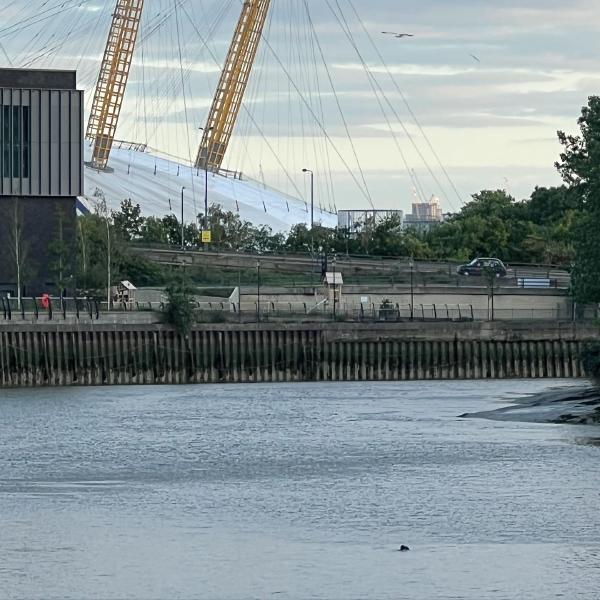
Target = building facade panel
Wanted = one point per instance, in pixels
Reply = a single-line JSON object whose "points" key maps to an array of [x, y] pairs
{"points": [[32, 225], [42, 79], [41, 142]]}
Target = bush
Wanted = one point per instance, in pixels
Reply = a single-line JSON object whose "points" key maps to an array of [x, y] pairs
{"points": [[590, 358], [180, 307]]}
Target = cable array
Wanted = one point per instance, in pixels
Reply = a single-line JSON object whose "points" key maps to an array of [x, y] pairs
{"points": [[297, 111]]}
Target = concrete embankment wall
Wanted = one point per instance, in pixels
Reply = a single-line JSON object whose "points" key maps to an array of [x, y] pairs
{"points": [[87, 354], [506, 298]]}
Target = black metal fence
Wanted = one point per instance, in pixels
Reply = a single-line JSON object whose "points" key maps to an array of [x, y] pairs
{"points": [[418, 312], [302, 311], [49, 308]]}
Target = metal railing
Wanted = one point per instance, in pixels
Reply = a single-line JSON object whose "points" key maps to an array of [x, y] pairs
{"points": [[304, 311], [49, 308]]}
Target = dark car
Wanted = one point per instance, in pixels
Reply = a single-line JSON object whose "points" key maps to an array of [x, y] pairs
{"points": [[477, 266]]}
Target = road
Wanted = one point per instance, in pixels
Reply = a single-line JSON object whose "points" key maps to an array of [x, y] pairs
{"points": [[348, 265]]}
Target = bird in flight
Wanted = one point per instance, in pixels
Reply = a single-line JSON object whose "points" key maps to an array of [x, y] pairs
{"points": [[474, 58], [398, 35]]}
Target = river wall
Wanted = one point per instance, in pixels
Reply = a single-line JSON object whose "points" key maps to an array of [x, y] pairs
{"points": [[88, 354]]}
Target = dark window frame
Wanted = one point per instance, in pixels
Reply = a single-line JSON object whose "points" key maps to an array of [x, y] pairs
{"points": [[15, 141]]}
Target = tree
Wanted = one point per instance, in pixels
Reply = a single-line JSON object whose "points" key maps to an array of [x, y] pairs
{"points": [[153, 231], [61, 255], [264, 241], [137, 269], [180, 310], [128, 221], [387, 238], [549, 206], [91, 252], [490, 276], [579, 167], [303, 239], [585, 275], [484, 224], [172, 229], [18, 248]]}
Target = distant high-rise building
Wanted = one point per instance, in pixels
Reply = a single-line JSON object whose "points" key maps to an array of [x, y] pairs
{"points": [[425, 214]]}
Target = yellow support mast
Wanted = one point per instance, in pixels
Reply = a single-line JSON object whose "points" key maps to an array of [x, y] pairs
{"points": [[232, 85], [112, 81]]}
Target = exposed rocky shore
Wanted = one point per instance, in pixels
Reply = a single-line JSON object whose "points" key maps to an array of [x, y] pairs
{"points": [[579, 405]]}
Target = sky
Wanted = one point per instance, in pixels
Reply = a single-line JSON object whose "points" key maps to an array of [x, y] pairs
{"points": [[429, 120]]}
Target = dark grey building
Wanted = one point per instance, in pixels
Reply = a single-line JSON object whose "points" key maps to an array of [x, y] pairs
{"points": [[41, 175]]}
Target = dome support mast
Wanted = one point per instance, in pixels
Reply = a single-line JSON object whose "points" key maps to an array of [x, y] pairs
{"points": [[232, 85], [112, 81]]}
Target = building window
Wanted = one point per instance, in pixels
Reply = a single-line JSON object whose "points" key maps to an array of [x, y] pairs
{"points": [[25, 143], [15, 142], [5, 132]]}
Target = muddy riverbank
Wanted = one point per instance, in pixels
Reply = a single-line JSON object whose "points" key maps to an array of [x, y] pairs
{"points": [[578, 405]]}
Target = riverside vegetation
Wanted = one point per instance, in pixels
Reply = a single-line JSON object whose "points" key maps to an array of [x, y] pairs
{"points": [[557, 225]]}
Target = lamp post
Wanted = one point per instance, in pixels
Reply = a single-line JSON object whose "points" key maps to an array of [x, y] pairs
{"points": [[493, 281], [312, 212], [207, 130], [572, 294], [182, 223], [334, 286], [258, 291], [108, 295], [490, 275], [411, 263], [103, 210], [312, 197]]}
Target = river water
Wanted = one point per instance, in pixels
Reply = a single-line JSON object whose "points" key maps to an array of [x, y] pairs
{"points": [[294, 491]]}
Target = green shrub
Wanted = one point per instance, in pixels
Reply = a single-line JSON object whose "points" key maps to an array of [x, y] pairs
{"points": [[180, 307], [590, 358]]}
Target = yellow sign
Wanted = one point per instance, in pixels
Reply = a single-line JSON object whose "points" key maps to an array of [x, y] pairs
{"points": [[207, 237]]}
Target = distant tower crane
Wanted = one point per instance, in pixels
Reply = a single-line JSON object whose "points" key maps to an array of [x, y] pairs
{"points": [[112, 81], [232, 85]]}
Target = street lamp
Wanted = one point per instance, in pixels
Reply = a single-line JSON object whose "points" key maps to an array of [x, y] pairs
{"points": [[411, 263], [334, 286], [491, 279], [258, 291], [182, 224], [312, 212], [108, 260], [207, 131], [312, 197], [103, 210]]}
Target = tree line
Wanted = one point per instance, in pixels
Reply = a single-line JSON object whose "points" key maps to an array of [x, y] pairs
{"points": [[557, 225], [536, 230]]}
